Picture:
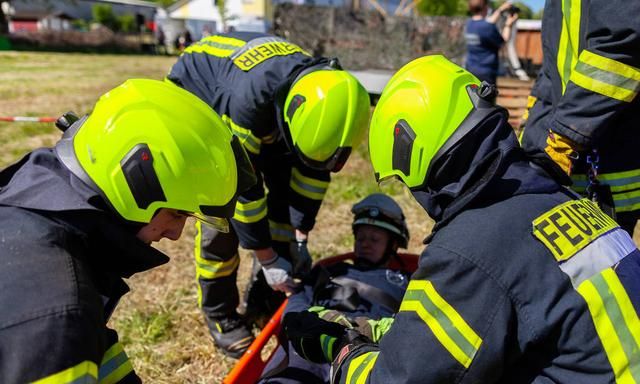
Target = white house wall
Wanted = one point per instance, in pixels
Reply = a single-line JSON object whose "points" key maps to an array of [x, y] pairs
{"points": [[241, 14]]}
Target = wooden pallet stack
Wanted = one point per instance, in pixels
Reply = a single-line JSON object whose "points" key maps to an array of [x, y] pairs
{"points": [[513, 94]]}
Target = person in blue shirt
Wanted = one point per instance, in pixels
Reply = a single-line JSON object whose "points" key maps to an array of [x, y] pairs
{"points": [[484, 40]]}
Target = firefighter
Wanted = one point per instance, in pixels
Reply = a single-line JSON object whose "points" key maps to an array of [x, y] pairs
{"points": [[522, 280], [78, 218], [298, 118], [585, 102]]}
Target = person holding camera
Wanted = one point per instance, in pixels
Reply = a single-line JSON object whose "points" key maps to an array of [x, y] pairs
{"points": [[484, 40]]}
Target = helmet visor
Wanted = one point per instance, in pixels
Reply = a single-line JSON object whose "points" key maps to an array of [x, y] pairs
{"points": [[375, 211], [334, 163], [218, 223], [246, 175]]}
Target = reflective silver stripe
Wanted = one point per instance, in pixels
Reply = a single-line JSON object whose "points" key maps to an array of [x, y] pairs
{"points": [[600, 254], [254, 43], [610, 78]]}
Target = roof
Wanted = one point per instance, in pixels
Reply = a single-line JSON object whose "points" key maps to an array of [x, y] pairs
{"points": [[137, 3]]}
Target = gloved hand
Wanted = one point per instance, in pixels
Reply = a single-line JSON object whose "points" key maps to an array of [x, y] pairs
{"points": [[277, 272], [318, 340], [562, 151], [372, 329], [300, 256], [331, 315]]}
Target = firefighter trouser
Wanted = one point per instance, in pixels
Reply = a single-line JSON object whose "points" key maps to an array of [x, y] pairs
{"points": [[217, 262]]}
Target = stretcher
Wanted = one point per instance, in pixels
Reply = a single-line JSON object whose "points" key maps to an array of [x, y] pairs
{"points": [[250, 366]]}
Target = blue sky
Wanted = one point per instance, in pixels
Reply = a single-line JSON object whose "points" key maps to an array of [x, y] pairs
{"points": [[534, 4]]}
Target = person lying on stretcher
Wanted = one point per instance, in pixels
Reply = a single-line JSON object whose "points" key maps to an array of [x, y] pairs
{"points": [[354, 293]]}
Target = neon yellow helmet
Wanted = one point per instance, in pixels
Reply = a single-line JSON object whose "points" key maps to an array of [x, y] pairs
{"points": [[427, 107], [148, 145], [326, 111]]}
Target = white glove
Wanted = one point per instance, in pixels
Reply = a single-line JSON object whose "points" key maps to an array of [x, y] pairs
{"points": [[277, 272]]}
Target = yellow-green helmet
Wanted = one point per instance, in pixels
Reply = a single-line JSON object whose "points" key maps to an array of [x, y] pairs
{"points": [[427, 107], [326, 111], [148, 145]]}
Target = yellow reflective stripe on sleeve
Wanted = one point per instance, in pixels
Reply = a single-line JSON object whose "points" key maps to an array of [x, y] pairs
{"points": [[360, 367], [616, 323], [627, 201], [308, 187], [84, 373], [618, 181], [449, 328], [251, 142], [569, 227], [610, 65], [252, 211], [606, 76], [115, 365], [569, 40], [218, 46], [281, 231]]}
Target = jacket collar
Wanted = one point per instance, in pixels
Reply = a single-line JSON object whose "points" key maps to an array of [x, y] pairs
{"points": [[40, 182], [486, 167]]}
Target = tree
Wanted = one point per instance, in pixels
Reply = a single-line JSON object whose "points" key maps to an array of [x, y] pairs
{"points": [[224, 13], [525, 11], [127, 23], [438, 7], [538, 14], [103, 14]]}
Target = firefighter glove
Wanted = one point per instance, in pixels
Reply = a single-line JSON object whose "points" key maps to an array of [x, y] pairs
{"points": [[315, 339], [331, 315], [562, 151], [301, 257], [372, 329], [277, 272]]}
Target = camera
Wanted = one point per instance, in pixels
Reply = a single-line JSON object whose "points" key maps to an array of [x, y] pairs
{"points": [[512, 10]]}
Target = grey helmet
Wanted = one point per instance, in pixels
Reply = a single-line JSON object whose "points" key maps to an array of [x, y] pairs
{"points": [[380, 210]]}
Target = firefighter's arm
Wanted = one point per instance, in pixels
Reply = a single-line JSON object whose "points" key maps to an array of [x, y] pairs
{"points": [[250, 219], [451, 328], [604, 78], [307, 187]]}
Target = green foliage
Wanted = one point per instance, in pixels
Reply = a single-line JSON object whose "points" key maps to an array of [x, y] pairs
{"points": [[80, 25], [103, 14], [164, 3], [525, 11], [538, 15], [127, 23], [438, 7]]}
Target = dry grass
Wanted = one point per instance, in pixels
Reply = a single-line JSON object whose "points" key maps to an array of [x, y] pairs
{"points": [[159, 322]]}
